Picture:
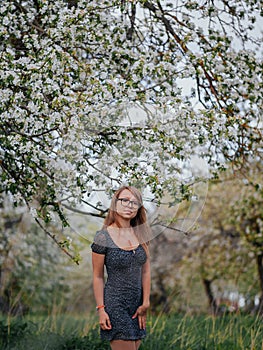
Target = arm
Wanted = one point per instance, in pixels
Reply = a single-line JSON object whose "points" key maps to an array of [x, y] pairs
{"points": [[146, 283], [146, 287], [98, 288]]}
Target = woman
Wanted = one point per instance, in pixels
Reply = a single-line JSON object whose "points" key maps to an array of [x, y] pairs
{"points": [[122, 246]]}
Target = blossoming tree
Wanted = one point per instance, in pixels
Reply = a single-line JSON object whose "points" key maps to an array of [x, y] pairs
{"points": [[72, 73]]}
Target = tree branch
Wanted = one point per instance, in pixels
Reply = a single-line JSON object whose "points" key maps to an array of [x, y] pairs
{"points": [[53, 237], [184, 47], [101, 215]]}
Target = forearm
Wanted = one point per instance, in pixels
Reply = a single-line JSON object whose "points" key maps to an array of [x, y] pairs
{"points": [[146, 286], [98, 288]]}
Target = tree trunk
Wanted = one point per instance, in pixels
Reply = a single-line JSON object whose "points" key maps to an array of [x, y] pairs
{"points": [[260, 275], [211, 299]]}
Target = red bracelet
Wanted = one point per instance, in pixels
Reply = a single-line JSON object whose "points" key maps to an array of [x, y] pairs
{"points": [[99, 307]]}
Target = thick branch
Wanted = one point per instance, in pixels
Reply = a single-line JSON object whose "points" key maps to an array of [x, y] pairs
{"points": [[98, 215]]}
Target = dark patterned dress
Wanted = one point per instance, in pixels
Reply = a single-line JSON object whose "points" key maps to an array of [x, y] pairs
{"points": [[123, 288]]}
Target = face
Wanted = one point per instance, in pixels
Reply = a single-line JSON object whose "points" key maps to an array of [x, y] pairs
{"points": [[127, 205]]}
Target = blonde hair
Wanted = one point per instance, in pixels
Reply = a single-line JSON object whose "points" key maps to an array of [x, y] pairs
{"points": [[139, 222]]}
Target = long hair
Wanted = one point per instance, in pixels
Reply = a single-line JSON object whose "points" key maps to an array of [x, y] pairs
{"points": [[139, 222]]}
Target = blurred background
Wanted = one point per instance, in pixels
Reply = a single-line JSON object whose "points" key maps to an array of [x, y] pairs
{"points": [[214, 266]]}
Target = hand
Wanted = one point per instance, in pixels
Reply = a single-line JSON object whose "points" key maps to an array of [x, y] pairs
{"points": [[141, 314], [104, 320]]}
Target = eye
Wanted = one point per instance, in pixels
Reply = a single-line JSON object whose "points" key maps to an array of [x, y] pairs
{"points": [[125, 200]]}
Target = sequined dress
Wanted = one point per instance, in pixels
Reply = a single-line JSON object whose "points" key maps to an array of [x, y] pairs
{"points": [[123, 288]]}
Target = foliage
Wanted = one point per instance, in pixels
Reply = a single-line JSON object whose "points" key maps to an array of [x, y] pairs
{"points": [[224, 259], [247, 211], [71, 72], [247, 217], [226, 247], [30, 267], [214, 262], [34, 276], [218, 247]]}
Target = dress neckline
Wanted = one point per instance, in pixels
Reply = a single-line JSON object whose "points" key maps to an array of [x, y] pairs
{"points": [[116, 245]]}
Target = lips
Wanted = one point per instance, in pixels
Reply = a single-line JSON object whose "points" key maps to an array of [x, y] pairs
{"points": [[128, 212]]}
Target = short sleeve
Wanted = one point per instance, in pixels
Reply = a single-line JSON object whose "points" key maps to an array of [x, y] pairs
{"points": [[99, 245]]}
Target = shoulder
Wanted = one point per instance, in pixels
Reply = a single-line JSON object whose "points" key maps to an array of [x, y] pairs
{"points": [[101, 235], [99, 244]]}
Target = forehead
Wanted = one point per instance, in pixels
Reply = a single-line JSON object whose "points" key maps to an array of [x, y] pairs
{"points": [[127, 194]]}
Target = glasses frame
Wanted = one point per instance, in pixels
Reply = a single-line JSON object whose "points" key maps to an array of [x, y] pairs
{"points": [[129, 203]]}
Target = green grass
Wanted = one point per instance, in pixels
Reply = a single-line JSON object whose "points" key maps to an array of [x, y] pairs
{"points": [[230, 332]]}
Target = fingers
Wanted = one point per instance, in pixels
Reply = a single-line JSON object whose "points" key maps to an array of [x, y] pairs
{"points": [[108, 324], [135, 315], [142, 322], [141, 318], [105, 324], [139, 312]]}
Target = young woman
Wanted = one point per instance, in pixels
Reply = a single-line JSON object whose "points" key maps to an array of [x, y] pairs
{"points": [[122, 246]]}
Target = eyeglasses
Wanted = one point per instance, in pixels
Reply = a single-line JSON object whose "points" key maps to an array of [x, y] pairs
{"points": [[127, 203]]}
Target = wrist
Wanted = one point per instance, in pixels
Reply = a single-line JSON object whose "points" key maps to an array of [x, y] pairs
{"points": [[146, 304], [101, 311], [100, 307]]}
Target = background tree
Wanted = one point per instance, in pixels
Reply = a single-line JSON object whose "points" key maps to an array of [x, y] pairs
{"points": [[224, 244], [247, 216], [212, 260]]}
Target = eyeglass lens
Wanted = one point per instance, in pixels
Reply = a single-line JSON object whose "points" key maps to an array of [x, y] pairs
{"points": [[126, 202]]}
